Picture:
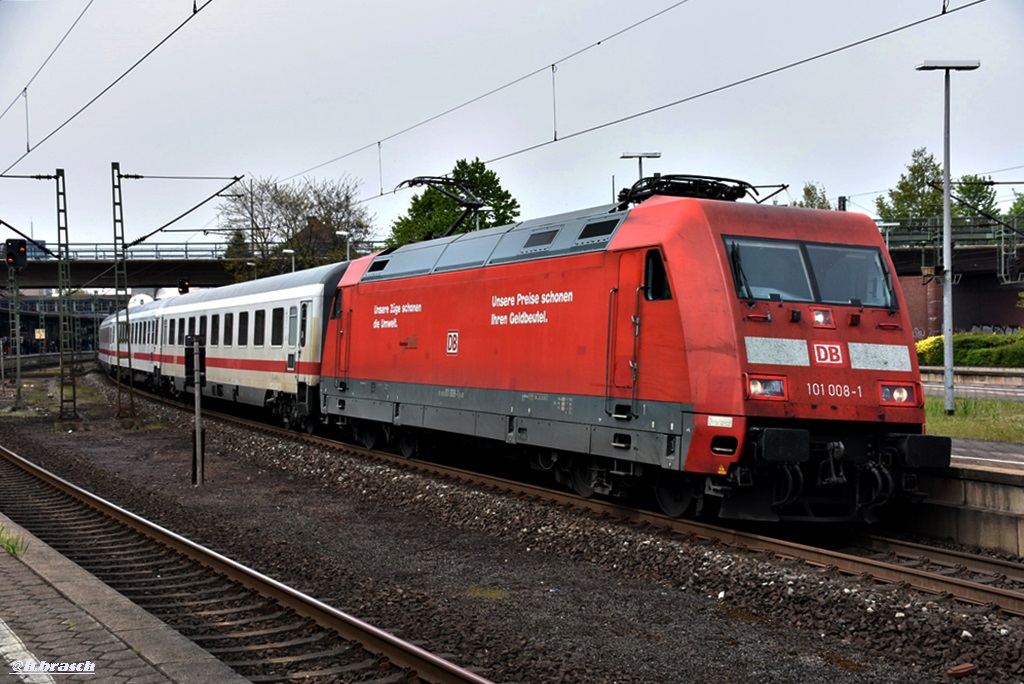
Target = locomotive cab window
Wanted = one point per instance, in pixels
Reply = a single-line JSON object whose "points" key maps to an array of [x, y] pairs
{"points": [[792, 271], [655, 278]]}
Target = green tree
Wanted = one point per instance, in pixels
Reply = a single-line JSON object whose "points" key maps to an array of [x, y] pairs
{"points": [[814, 197], [431, 213], [978, 196], [918, 194], [1017, 208], [268, 216]]}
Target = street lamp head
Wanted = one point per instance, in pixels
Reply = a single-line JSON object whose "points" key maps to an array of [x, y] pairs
{"points": [[342, 233], [640, 155], [948, 65], [288, 251]]}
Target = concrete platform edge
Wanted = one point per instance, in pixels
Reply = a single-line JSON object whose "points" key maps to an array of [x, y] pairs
{"points": [[152, 639]]}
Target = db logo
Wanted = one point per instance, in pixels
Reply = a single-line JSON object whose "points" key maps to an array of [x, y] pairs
{"points": [[452, 345], [827, 353]]}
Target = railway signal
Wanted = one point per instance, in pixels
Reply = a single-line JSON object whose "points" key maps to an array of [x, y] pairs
{"points": [[182, 285], [16, 253]]}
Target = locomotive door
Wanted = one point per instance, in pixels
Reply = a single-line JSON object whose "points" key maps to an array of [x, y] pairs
{"points": [[623, 370], [341, 343]]}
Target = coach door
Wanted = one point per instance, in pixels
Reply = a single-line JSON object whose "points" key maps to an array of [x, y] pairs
{"points": [[298, 323]]}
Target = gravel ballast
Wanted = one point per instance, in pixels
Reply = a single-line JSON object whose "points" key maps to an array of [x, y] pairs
{"points": [[519, 591]]}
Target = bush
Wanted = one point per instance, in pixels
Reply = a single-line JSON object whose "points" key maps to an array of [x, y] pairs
{"points": [[975, 349], [929, 351]]}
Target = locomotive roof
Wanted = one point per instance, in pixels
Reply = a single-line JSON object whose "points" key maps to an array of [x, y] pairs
{"points": [[587, 230]]}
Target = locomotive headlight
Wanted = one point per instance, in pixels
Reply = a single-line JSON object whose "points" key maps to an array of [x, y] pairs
{"points": [[766, 387], [822, 318], [900, 394]]}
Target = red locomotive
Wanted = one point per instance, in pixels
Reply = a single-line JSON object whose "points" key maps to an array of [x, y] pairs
{"points": [[728, 355]]}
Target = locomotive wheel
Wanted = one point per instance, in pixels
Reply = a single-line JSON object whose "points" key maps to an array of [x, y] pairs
{"points": [[674, 497], [408, 443], [367, 433], [580, 477]]}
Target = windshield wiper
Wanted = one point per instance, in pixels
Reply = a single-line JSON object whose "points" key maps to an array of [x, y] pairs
{"points": [[738, 275]]}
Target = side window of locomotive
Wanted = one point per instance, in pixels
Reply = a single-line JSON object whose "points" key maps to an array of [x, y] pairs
{"points": [[768, 269], [303, 322], [215, 330], [243, 328], [655, 278], [259, 328], [229, 328], [336, 306], [277, 327]]}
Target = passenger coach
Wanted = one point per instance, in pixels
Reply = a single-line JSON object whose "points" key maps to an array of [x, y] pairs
{"points": [[263, 341]]}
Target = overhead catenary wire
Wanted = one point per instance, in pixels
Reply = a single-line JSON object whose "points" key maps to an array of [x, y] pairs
{"points": [[195, 12], [24, 91], [646, 112], [547, 67]]}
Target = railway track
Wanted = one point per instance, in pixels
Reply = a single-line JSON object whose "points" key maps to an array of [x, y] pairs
{"points": [[969, 579], [261, 628]]}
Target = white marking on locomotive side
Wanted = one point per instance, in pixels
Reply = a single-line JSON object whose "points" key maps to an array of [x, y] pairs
{"points": [[891, 357], [720, 421], [777, 351]]}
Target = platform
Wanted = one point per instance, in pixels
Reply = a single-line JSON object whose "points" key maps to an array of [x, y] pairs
{"points": [[55, 615]]}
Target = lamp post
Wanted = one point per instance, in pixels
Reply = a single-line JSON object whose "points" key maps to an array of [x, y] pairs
{"points": [[640, 156], [292, 252], [947, 231], [345, 234], [253, 264]]}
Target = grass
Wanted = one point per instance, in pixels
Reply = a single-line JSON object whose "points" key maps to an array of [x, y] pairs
{"points": [[993, 419], [14, 544]]}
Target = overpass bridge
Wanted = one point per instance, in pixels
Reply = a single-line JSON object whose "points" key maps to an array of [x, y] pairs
{"points": [[987, 266]]}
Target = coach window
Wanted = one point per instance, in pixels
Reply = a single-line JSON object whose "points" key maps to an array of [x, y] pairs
{"points": [[277, 327], [293, 324], [243, 328], [192, 326], [259, 328], [202, 327], [229, 328], [655, 278], [170, 331], [215, 330], [181, 332], [303, 322]]}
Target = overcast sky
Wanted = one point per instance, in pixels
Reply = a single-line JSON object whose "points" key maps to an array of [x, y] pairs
{"points": [[274, 88]]}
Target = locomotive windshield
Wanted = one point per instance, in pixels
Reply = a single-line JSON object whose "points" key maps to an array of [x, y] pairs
{"points": [[794, 271]]}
